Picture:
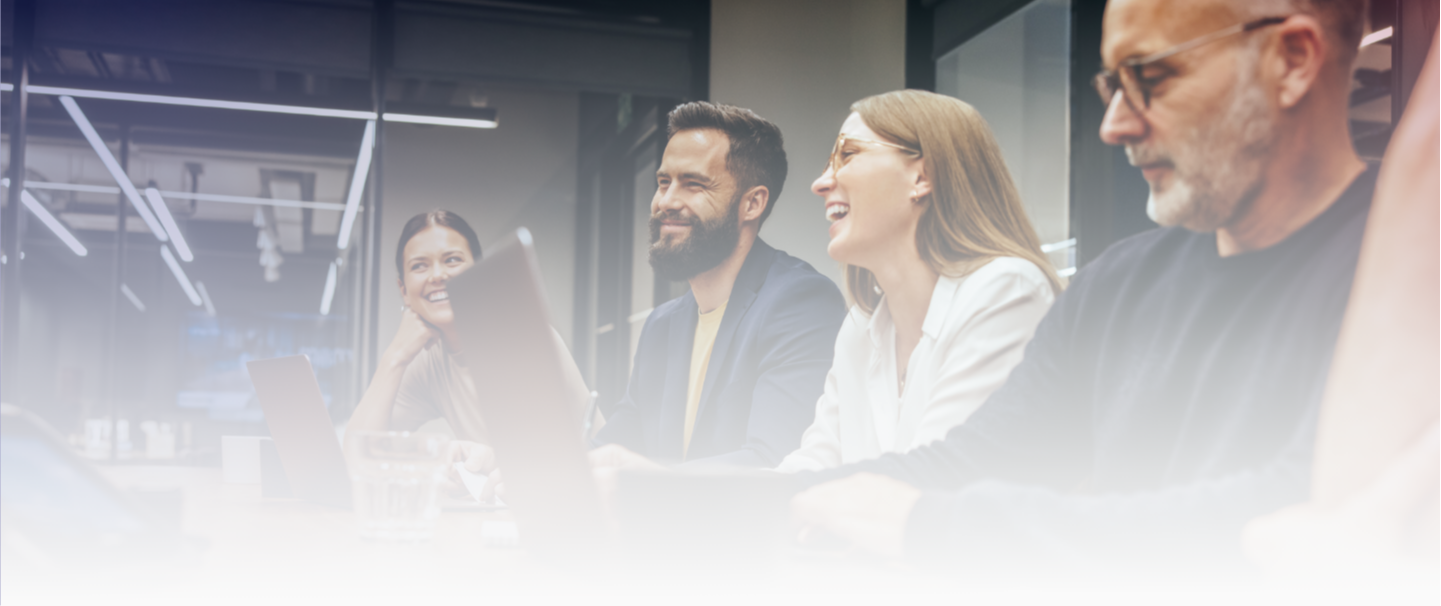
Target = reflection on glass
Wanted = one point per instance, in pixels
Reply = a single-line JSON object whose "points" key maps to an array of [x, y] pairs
{"points": [[1016, 73]]}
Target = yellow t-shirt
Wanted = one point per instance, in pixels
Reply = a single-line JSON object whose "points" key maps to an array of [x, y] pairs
{"points": [[706, 328]]}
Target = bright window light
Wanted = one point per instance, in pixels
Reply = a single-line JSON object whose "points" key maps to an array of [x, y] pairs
{"points": [[163, 211], [357, 185], [134, 300], [205, 296], [54, 224], [108, 159], [180, 276], [1376, 36], [329, 295], [1055, 246]]}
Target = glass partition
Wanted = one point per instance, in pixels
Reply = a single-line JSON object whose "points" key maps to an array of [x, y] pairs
{"points": [[1017, 75]]}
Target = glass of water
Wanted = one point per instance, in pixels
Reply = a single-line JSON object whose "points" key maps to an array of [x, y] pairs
{"points": [[394, 476]]}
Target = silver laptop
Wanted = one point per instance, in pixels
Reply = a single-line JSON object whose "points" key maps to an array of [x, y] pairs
{"points": [[304, 436], [501, 318]]}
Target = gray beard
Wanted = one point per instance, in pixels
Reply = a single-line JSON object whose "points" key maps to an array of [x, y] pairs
{"points": [[1221, 165]]}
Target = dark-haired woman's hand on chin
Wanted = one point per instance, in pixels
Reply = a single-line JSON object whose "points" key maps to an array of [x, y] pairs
{"points": [[412, 336], [373, 412]]}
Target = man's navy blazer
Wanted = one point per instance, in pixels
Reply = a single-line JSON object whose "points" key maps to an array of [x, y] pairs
{"points": [[767, 368]]}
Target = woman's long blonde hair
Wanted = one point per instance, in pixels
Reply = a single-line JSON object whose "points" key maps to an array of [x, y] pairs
{"points": [[975, 213]]}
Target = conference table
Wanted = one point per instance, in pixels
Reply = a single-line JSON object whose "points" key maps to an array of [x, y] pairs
{"points": [[252, 549]]}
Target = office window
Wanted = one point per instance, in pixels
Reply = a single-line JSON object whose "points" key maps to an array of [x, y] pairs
{"points": [[642, 277], [1017, 75]]}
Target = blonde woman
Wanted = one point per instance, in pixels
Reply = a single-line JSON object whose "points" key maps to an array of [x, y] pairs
{"points": [[943, 268]]}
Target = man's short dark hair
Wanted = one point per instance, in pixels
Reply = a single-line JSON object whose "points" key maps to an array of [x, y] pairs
{"points": [[757, 154]]}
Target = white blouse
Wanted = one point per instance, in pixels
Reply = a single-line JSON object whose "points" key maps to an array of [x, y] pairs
{"points": [[975, 331]]}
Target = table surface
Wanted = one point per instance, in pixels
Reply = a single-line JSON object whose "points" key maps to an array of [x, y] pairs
{"points": [[255, 548], [259, 550]]}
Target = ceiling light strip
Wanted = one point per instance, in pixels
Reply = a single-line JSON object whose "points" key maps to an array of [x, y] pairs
{"points": [[205, 297], [440, 120], [256, 201], [163, 211], [113, 166], [134, 300], [329, 295], [180, 276], [273, 108], [185, 195], [357, 185], [72, 187], [54, 224]]}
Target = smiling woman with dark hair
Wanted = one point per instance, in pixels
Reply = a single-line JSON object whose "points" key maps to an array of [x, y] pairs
{"points": [[421, 376]]}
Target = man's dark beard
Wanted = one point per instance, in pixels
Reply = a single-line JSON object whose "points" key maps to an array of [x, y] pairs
{"points": [[708, 244]]}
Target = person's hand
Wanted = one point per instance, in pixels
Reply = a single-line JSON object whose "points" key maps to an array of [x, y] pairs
{"points": [[866, 509], [606, 464], [616, 457], [477, 458], [494, 487], [413, 335]]}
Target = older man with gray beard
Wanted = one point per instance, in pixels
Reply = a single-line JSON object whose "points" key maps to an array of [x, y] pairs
{"points": [[1171, 393]]}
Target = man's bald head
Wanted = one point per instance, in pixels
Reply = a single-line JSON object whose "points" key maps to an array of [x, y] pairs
{"points": [[1343, 21]]}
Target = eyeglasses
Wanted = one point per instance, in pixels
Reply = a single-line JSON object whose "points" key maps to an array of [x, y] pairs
{"points": [[836, 161], [1127, 78]]}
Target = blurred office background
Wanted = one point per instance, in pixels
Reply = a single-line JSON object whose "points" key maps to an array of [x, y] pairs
{"points": [[548, 114]]}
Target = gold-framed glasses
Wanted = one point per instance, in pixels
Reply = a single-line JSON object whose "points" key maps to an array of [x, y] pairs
{"points": [[1129, 77], [839, 158]]}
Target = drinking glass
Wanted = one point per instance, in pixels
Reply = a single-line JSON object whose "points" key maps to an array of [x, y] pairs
{"points": [[394, 477]]}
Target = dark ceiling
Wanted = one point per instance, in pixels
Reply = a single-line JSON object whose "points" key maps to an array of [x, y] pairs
{"points": [[439, 55]]}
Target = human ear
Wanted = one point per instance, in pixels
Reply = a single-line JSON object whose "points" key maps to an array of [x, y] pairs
{"points": [[1301, 49], [754, 203], [921, 189]]}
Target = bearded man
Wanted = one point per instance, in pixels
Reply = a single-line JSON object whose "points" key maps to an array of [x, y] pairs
{"points": [[1171, 393], [728, 373]]}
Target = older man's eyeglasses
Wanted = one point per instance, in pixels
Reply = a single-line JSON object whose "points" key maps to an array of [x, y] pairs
{"points": [[1129, 77], [839, 157]]}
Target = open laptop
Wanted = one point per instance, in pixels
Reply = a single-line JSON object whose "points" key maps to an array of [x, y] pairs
{"points": [[536, 431], [300, 426], [61, 516], [305, 441]]}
